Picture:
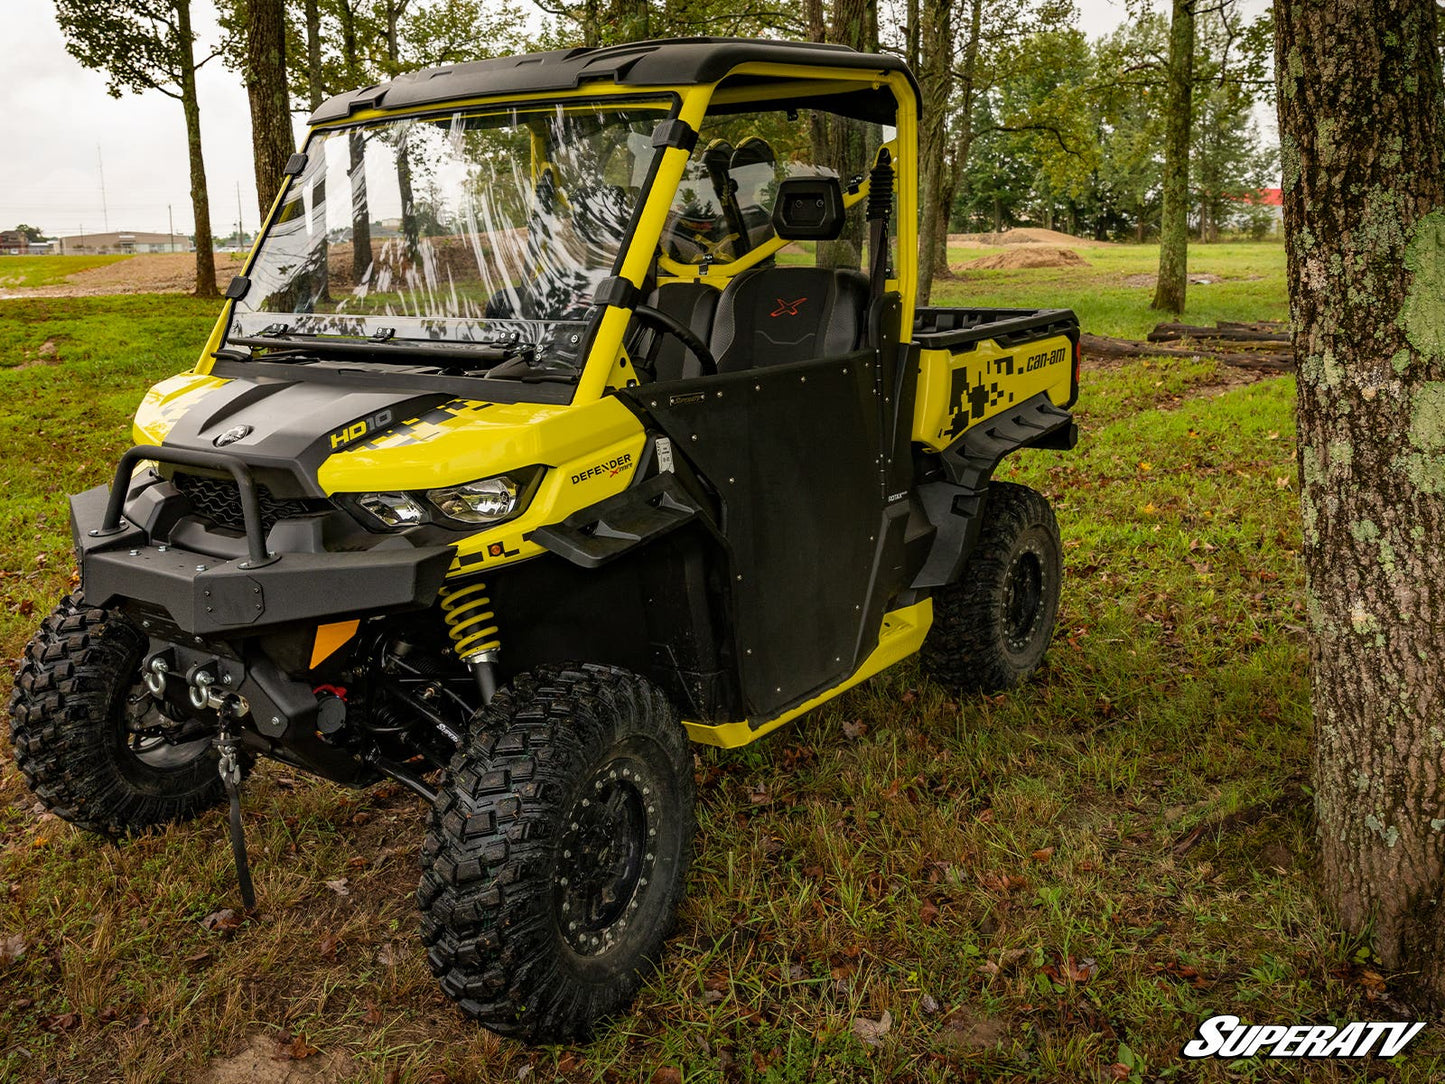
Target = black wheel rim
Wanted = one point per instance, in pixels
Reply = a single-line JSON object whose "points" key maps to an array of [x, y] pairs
{"points": [[1023, 596], [606, 857], [152, 740]]}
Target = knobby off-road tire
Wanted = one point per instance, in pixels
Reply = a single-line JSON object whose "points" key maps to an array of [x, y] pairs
{"points": [[991, 628], [556, 851], [79, 678]]}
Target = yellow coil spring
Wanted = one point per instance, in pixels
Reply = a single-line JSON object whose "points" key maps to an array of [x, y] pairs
{"points": [[469, 620]]}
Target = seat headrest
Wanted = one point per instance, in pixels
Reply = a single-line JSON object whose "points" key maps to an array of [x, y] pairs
{"points": [[809, 209]]}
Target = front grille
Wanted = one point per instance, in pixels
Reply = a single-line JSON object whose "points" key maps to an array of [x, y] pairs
{"points": [[219, 501]]}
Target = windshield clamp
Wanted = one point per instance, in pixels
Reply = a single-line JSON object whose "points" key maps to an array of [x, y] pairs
{"points": [[616, 290], [237, 287], [675, 133]]}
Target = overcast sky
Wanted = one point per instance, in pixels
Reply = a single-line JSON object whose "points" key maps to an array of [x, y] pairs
{"points": [[59, 125]]}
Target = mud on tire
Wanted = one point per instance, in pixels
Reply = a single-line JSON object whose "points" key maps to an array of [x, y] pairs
{"points": [[556, 851], [992, 627], [72, 742]]}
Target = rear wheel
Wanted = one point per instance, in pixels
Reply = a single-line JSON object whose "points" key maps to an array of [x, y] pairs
{"points": [[992, 627], [556, 852], [90, 740]]}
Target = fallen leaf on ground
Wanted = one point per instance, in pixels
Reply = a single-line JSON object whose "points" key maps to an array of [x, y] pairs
{"points": [[1043, 854], [872, 1031], [224, 919], [297, 1048], [339, 886], [928, 1004], [666, 1074], [12, 947], [854, 730], [372, 1015]]}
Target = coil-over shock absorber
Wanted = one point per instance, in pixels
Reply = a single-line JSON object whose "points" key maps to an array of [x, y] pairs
{"points": [[472, 626]]}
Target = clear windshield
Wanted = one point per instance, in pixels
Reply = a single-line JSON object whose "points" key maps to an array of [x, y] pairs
{"points": [[488, 227]]}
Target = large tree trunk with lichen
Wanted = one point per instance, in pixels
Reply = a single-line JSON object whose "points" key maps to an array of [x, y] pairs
{"points": [[272, 140], [1360, 105], [1178, 120]]}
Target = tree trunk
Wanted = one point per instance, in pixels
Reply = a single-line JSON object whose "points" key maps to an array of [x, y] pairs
{"points": [[1178, 119], [1360, 107], [935, 78], [200, 200], [272, 141], [360, 212], [314, 90]]}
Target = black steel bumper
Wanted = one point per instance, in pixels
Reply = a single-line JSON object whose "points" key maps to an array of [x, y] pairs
{"points": [[215, 597]]}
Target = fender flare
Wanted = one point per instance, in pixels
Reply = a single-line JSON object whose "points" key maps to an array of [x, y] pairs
{"points": [[955, 504]]}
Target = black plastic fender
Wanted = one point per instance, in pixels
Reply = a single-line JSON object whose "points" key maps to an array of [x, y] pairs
{"points": [[955, 507]]}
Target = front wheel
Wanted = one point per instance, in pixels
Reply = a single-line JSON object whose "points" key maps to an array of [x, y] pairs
{"points": [[556, 851], [991, 628], [91, 742]]}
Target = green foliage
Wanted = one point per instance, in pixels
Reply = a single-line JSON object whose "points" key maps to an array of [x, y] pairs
{"points": [[1074, 137], [138, 44]]}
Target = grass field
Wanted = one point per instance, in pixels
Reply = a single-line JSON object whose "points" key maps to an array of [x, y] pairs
{"points": [[1053, 885], [28, 271]]}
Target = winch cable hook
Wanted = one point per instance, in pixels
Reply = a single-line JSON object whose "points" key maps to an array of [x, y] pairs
{"points": [[229, 765]]}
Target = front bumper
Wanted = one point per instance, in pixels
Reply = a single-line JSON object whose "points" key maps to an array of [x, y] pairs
{"points": [[215, 597]]}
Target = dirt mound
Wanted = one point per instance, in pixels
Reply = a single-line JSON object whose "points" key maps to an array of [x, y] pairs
{"points": [[1024, 236], [1026, 256]]}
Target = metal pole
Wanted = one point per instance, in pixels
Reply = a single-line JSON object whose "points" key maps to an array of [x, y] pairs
{"points": [[103, 210], [171, 219]]}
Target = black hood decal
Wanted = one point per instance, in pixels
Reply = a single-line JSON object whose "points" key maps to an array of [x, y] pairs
{"points": [[295, 425]]}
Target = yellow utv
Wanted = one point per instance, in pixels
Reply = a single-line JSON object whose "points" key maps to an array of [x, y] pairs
{"points": [[571, 407]]}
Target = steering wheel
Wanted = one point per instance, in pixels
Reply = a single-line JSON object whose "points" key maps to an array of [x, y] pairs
{"points": [[671, 325]]}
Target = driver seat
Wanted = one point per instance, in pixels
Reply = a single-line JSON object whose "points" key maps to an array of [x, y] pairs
{"points": [[775, 315]]}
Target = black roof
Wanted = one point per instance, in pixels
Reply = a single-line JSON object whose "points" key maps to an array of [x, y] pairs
{"points": [[663, 62]]}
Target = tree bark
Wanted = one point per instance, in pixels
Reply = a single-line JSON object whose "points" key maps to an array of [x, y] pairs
{"points": [[935, 79], [1178, 120], [200, 200], [1360, 107], [272, 141], [314, 91]]}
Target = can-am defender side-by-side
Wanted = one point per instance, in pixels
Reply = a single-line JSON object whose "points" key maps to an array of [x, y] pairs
{"points": [[570, 407]]}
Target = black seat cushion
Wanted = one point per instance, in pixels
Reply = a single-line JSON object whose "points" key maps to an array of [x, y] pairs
{"points": [[774, 315], [693, 303]]}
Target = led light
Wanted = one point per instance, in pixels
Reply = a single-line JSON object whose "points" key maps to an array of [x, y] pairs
{"points": [[393, 509], [490, 500]]}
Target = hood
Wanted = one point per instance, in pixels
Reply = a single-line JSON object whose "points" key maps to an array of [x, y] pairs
{"points": [[313, 439]]}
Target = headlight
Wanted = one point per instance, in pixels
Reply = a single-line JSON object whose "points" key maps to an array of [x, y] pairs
{"points": [[490, 500], [393, 509], [482, 503]]}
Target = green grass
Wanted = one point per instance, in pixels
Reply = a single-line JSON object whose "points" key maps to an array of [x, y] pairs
{"points": [[1253, 286], [1035, 887], [30, 271]]}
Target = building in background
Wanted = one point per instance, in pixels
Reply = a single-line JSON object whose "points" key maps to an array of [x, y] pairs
{"points": [[123, 242], [15, 243]]}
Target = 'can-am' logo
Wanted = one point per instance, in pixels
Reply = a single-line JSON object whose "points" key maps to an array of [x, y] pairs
{"points": [[787, 308], [611, 468], [231, 435], [1226, 1037]]}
